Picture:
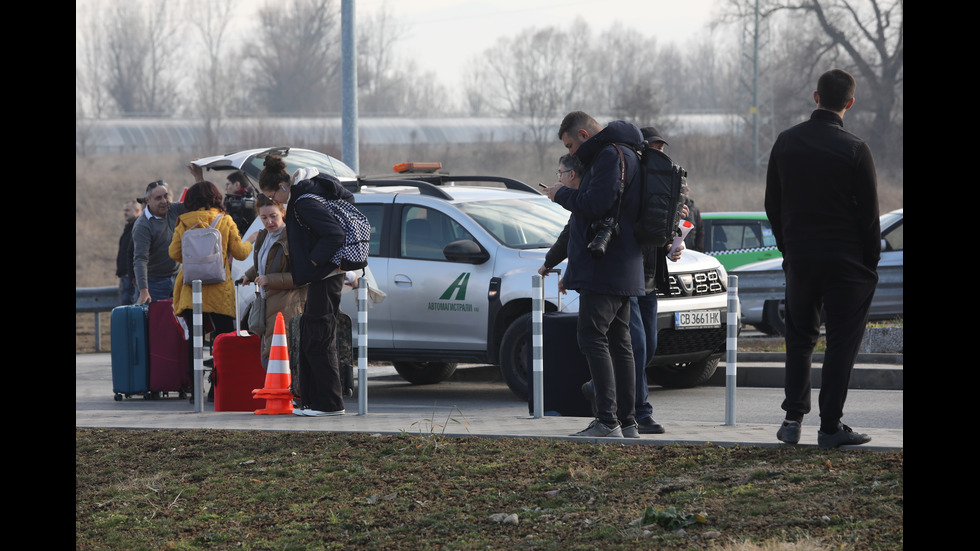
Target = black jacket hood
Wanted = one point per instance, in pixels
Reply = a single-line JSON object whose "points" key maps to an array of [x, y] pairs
{"points": [[616, 132]]}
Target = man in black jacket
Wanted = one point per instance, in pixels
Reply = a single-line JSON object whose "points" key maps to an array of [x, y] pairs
{"points": [[124, 257], [605, 282], [822, 200]]}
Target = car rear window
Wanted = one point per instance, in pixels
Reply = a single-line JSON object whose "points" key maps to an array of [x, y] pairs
{"points": [[301, 159]]}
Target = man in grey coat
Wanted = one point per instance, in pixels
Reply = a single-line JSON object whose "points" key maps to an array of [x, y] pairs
{"points": [[152, 233]]}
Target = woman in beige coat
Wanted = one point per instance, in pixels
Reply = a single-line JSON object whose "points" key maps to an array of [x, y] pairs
{"points": [[270, 272]]}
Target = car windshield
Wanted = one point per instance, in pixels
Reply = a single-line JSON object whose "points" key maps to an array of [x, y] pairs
{"points": [[519, 223], [888, 219], [302, 158]]}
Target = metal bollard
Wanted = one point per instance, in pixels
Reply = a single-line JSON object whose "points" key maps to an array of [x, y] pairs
{"points": [[198, 320], [98, 334], [362, 345], [731, 343], [537, 343]]}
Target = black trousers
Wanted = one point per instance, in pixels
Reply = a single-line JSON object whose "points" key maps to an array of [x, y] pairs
{"points": [[319, 370], [843, 286], [604, 338]]}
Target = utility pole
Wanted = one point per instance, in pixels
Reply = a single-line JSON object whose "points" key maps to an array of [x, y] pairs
{"points": [[349, 146], [755, 106]]}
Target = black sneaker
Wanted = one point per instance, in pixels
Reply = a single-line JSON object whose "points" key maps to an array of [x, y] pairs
{"points": [[648, 426], [845, 436], [789, 432]]}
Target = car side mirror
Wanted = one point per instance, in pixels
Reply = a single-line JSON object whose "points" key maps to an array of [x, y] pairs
{"points": [[884, 245], [466, 250]]}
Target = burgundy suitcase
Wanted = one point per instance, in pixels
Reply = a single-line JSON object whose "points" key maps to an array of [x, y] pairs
{"points": [[237, 370], [169, 352]]}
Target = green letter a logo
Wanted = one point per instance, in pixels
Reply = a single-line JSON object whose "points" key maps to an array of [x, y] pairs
{"points": [[460, 284]]}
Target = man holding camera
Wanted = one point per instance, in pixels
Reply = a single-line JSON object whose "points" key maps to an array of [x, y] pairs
{"points": [[605, 264]]}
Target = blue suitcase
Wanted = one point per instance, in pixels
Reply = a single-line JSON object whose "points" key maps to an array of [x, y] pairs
{"points": [[130, 340]]}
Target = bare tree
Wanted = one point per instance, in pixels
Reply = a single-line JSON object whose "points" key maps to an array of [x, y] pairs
{"points": [[533, 77], [214, 81], [138, 56], [865, 37], [376, 62], [90, 97], [625, 79], [873, 37], [297, 52], [475, 99]]}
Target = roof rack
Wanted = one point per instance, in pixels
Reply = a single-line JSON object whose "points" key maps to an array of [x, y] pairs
{"points": [[425, 188], [437, 180]]}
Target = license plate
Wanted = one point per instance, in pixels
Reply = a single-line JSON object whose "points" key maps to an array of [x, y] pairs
{"points": [[697, 319]]}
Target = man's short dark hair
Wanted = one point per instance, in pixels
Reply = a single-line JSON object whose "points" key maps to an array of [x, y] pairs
{"points": [[577, 120], [835, 88], [238, 178]]}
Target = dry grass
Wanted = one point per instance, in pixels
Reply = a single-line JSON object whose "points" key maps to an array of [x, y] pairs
{"points": [[180, 489]]}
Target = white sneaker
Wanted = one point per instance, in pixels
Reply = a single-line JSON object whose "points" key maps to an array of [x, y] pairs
{"points": [[299, 411], [318, 413]]}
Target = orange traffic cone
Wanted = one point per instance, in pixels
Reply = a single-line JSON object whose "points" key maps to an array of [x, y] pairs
{"points": [[278, 399]]}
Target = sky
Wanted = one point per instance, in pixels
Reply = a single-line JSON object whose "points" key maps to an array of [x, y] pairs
{"points": [[444, 35]]}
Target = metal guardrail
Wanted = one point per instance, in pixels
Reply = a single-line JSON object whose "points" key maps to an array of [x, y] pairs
{"points": [[96, 300], [760, 286]]}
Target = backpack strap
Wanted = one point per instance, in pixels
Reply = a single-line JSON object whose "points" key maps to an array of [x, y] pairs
{"points": [[622, 180], [214, 223]]}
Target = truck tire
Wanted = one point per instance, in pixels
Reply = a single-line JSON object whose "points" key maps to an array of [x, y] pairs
{"points": [[684, 375], [424, 373], [513, 356]]}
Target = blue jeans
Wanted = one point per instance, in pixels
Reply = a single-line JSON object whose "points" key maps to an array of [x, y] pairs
{"points": [[161, 288], [604, 339], [127, 291], [643, 333]]}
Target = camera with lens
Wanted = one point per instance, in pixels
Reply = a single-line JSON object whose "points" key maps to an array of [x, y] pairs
{"points": [[240, 204], [605, 229]]}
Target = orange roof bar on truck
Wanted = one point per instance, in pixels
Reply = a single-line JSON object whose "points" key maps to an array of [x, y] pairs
{"points": [[417, 167]]}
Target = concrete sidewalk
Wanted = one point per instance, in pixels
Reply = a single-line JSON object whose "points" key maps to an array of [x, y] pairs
{"points": [[490, 410]]}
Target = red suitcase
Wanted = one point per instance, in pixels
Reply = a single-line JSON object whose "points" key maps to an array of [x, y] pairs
{"points": [[237, 370], [169, 351]]}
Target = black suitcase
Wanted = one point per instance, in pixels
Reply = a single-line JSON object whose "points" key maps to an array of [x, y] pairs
{"points": [[565, 368]]}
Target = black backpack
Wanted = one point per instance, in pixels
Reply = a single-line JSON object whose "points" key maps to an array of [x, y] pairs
{"points": [[662, 198]]}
